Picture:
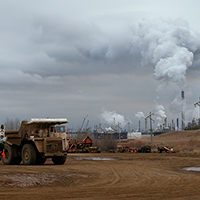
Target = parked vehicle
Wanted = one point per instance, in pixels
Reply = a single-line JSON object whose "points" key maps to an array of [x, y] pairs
{"points": [[35, 141]]}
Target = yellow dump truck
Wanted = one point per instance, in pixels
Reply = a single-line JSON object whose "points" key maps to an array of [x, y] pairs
{"points": [[35, 141]]}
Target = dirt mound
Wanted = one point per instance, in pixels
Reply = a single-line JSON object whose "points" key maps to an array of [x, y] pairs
{"points": [[183, 141], [180, 135]]}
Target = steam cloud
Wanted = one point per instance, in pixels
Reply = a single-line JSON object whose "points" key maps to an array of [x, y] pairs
{"points": [[160, 113], [112, 118], [140, 115], [167, 45]]}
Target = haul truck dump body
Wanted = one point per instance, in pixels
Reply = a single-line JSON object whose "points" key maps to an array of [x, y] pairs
{"points": [[35, 141]]}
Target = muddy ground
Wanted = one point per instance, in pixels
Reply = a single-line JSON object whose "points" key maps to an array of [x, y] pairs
{"points": [[105, 176]]}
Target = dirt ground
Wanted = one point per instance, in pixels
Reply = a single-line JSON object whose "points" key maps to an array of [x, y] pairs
{"points": [[112, 175], [105, 176]]}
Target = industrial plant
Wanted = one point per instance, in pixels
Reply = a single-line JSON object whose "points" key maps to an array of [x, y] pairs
{"points": [[120, 134]]}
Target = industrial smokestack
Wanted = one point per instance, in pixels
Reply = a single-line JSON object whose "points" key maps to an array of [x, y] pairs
{"points": [[146, 125], [182, 94], [177, 122], [182, 110], [139, 126], [173, 125], [165, 122]]}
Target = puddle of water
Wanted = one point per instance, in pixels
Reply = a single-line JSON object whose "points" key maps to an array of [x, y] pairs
{"points": [[92, 158], [196, 169]]}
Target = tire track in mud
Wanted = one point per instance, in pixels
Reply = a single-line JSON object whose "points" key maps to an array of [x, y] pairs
{"points": [[116, 176], [123, 175], [108, 175], [156, 177], [152, 177]]}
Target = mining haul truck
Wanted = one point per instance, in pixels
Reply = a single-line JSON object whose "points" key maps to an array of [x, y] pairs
{"points": [[35, 141]]}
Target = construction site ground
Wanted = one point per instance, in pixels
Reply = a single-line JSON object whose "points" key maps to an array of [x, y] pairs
{"points": [[112, 175], [105, 176]]}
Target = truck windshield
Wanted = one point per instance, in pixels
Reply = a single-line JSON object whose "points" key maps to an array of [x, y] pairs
{"points": [[60, 129]]}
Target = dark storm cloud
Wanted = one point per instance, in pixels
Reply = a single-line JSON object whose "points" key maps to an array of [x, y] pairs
{"points": [[78, 47]]}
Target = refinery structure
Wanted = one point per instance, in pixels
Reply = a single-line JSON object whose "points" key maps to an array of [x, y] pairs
{"points": [[117, 131], [116, 127]]}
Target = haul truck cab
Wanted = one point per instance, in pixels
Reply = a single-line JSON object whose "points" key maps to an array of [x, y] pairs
{"points": [[35, 141]]}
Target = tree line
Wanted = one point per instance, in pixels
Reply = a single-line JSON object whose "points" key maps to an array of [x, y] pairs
{"points": [[12, 124]]}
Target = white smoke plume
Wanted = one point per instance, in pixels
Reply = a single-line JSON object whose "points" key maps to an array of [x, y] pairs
{"points": [[109, 129], [140, 115], [160, 113], [112, 118], [168, 46]]}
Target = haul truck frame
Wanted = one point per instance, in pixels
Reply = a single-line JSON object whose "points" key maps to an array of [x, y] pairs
{"points": [[35, 141]]}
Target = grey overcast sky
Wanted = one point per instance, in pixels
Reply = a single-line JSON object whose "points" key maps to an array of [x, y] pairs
{"points": [[108, 59]]}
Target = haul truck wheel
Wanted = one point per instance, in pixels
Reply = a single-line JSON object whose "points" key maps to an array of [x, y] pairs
{"points": [[9, 152], [28, 154], [59, 160]]}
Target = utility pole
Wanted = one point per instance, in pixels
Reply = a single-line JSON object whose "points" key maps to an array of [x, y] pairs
{"points": [[119, 132], [198, 104], [150, 115]]}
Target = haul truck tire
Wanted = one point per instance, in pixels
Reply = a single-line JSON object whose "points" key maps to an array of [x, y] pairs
{"points": [[9, 152], [59, 160], [29, 155]]}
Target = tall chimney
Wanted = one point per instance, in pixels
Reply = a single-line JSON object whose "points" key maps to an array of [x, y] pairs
{"points": [[146, 125], [165, 122], [177, 123], [173, 126], [182, 111], [139, 126]]}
